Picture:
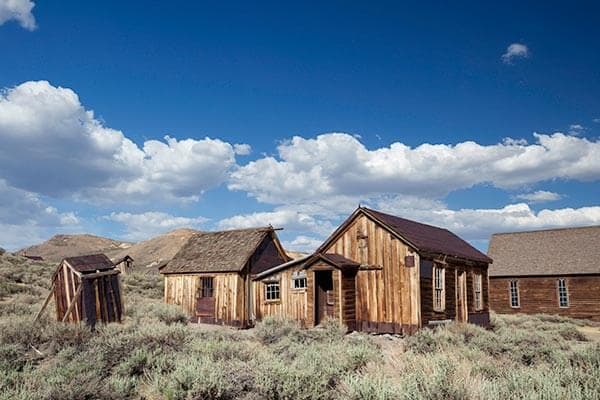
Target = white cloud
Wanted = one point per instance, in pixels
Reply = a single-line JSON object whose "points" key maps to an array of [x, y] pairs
{"points": [[514, 51], [576, 129], [26, 219], [304, 244], [148, 224], [596, 120], [287, 219], [69, 152], [242, 149], [18, 10], [337, 165], [539, 196]]}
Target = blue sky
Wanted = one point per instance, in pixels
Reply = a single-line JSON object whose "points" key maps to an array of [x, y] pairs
{"points": [[421, 98]]}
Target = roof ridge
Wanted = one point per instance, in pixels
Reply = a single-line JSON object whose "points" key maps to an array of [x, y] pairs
{"points": [[406, 219], [547, 230]]}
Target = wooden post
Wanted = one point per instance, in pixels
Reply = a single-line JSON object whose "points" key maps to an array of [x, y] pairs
{"points": [[73, 302], [38, 315]]}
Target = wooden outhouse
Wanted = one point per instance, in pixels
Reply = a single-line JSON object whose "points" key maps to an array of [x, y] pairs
{"points": [[86, 289], [554, 271], [209, 278], [380, 273]]}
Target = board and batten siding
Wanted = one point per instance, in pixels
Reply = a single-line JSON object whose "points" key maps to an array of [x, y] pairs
{"points": [[291, 304], [387, 292], [228, 290], [539, 294]]}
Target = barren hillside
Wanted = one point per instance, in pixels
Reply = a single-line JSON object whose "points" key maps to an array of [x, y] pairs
{"points": [[61, 246], [150, 254]]}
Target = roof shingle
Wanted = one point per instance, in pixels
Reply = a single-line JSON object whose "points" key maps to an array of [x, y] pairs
{"points": [[93, 262], [547, 252]]}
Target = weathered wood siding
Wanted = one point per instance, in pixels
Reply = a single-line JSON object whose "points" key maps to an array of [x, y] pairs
{"points": [[540, 295], [99, 299], [292, 303], [266, 256], [387, 293], [429, 315], [228, 290]]}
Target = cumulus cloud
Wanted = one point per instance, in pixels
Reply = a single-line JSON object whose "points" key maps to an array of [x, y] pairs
{"points": [[148, 224], [301, 243], [25, 218], [539, 196], [242, 149], [288, 219], [18, 10], [576, 129], [337, 164], [514, 51], [69, 152]]}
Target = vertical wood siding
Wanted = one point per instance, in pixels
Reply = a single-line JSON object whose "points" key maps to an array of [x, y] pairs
{"points": [[292, 303], [387, 293], [540, 295], [228, 290]]}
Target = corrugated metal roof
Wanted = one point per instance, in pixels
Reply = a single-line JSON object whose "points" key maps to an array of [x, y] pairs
{"points": [[429, 238], [546, 252]]}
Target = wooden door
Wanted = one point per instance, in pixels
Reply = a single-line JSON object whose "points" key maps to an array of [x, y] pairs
{"points": [[462, 311], [205, 306], [324, 301]]}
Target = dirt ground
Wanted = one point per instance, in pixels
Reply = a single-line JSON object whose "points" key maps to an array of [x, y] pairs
{"points": [[592, 332]]}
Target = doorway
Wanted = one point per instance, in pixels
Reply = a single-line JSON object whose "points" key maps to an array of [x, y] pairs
{"points": [[205, 305], [324, 300], [462, 311]]}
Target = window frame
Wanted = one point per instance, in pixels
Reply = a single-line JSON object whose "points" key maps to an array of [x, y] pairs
{"points": [[270, 293], [514, 293], [297, 279], [478, 290], [207, 290], [439, 306], [566, 292]]}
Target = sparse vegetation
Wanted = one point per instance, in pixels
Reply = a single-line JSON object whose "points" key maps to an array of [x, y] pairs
{"points": [[155, 354]]}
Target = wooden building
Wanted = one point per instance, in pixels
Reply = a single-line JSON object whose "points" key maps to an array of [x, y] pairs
{"points": [[554, 271], [124, 264], [210, 276], [380, 273], [86, 289]]}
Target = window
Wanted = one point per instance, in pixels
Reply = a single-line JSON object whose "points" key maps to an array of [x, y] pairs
{"points": [[477, 290], [439, 292], [563, 294], [206, 287], [272, 291], [299, 280], [514, 294]]}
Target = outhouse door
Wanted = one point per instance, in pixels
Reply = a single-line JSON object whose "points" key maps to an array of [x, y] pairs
{"points": [[462, 311], [324, 296], [205, 306]]}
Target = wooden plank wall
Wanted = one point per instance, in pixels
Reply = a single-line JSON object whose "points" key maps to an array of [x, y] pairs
{"points": [[387, 294], [66, 284], [229, 292], [540, 295], [292, 303]]}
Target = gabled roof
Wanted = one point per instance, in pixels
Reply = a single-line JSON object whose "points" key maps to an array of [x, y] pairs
{"points": [[280, 267], [336, 260], [93, 262], [422, 237], [221, 251], [547, 252]]}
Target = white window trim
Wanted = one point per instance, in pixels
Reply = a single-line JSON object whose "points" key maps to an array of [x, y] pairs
{"points": [[442, 306], [566, 292], [267, 284], [478, 279], [517, 291]]}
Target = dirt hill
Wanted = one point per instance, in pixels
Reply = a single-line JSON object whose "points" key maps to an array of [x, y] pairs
{"points": [[150, 254], [61, 246]]}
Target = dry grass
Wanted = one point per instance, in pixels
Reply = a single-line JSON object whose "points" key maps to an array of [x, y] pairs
{"points": [[154, 354]]}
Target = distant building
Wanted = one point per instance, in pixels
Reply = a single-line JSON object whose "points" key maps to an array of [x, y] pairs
{"points": [[125, 264], [34, 258], [554, 271]]}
